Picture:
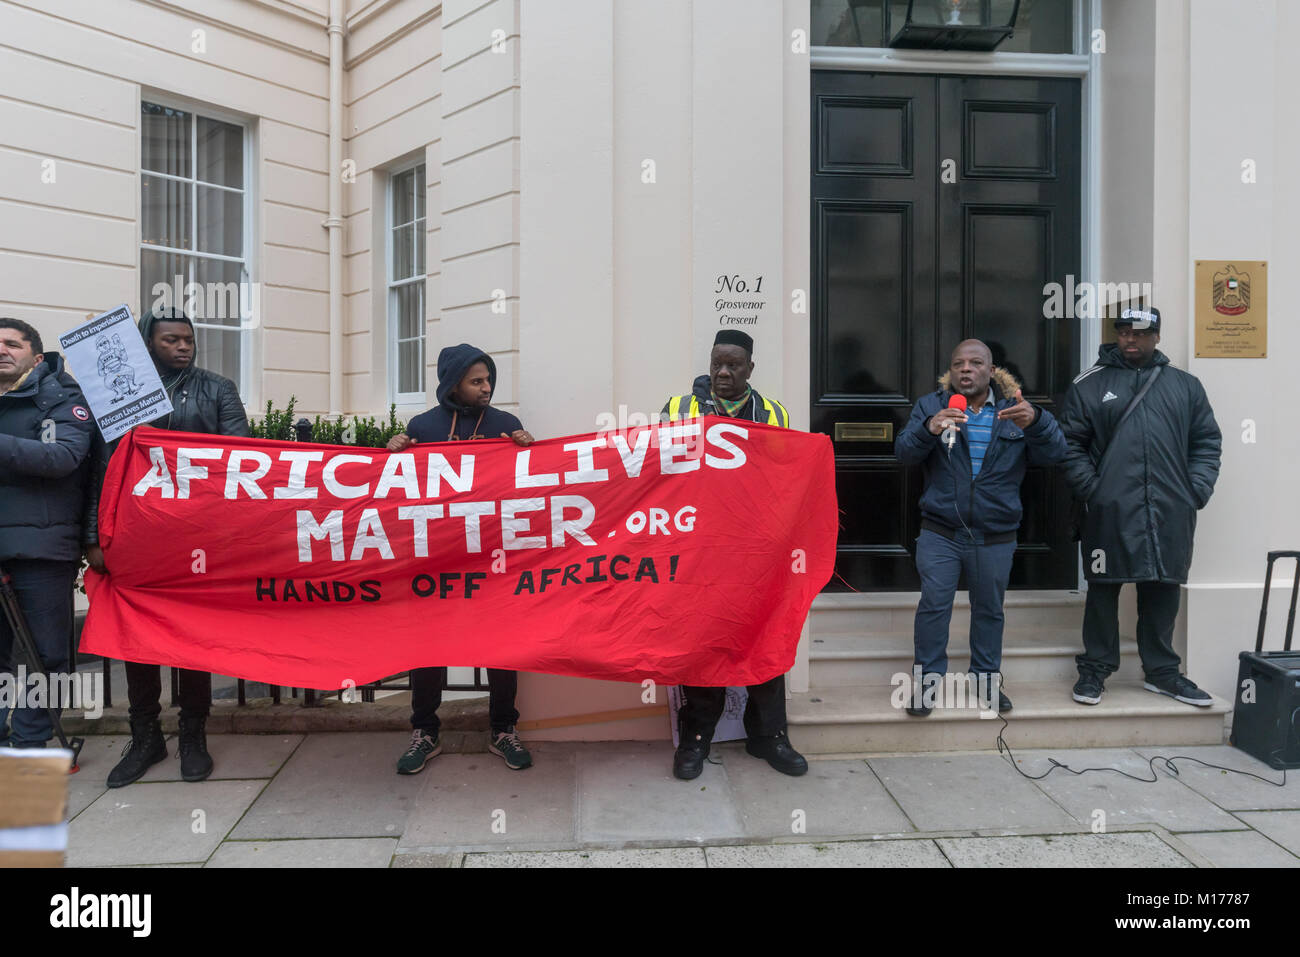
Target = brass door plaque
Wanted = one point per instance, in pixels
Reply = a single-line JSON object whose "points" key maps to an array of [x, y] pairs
{"points": [[1231, 309], [864, 431]]}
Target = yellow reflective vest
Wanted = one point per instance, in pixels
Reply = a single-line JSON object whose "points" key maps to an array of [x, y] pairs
{"points": [[776, 412]]}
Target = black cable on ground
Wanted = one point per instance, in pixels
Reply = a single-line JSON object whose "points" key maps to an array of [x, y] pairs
{"points": [[1168, 762]]}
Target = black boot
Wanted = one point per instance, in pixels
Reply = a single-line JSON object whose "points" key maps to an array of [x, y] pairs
{"points": [[196, 763], [146, 749], [688, 759], [777, 751]]}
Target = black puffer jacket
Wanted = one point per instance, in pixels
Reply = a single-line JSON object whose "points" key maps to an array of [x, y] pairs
{"points": [[1142, 500], [43, 483]]}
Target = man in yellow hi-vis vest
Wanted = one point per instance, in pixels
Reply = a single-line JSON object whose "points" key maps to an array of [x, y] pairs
{"points": [[726, 391]]}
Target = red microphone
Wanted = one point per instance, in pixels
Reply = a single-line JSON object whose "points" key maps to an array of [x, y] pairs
{"points": [[958, 401]]}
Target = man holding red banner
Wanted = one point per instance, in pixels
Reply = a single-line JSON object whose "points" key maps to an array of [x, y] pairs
{"points": [[726, 391], [202, 401], [466, 379], [332, 564]]}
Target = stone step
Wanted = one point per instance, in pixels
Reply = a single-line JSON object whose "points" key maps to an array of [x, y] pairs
{"points": [[870, 612], [1028, 655], [863, 720]]}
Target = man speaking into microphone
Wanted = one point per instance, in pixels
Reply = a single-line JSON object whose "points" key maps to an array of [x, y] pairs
{"points": [[973, 447]]}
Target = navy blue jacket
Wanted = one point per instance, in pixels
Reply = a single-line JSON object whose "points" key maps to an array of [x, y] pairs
{"points": [[435, 425], [990, 501], [43, 484]]}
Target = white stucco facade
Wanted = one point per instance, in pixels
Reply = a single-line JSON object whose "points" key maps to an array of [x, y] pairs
{"points": [[593, 169]]}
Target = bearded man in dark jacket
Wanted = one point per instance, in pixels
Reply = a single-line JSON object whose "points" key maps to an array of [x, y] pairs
{"points": [[45, 438], [467, 377], [202, 401], [1143, 474]]}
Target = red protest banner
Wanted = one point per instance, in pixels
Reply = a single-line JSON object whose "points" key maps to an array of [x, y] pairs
{"points": [[686, 553]]}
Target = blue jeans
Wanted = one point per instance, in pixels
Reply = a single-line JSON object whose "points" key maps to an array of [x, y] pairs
{"points": [[941, 562], [44, 590]]}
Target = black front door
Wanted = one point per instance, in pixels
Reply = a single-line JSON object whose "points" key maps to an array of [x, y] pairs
{"points": [[941, 206]]}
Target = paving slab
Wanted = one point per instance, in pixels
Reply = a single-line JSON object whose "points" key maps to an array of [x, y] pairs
{"points": [[424, 859], [469, 800], [1123, 849], [909, 853], [234, 756], [833, 798], [156, 823], [344, 852], [1123, 801], [1282, 827], [629, 857], [946, 792], [632, 795], [335, 785], [1234, 792], [1239, 849], [98, 756]]}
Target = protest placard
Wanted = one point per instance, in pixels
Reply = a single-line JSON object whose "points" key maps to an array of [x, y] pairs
{"points": [[115, 372]]}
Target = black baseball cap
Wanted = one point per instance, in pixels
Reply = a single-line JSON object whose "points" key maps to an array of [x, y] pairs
{"points": [[1140, 319]]}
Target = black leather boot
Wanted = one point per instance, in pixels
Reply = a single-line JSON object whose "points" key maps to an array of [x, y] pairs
{"points": [[688, 760], [192, 745], [778, 752], [145, 749]]}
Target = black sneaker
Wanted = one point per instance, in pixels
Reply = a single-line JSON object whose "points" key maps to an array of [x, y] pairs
{"points": [[777, 751], [1088, 689], [917, 710], [1180, 688], [145, 749], [508, 746], [984, 695], [423, 747]]}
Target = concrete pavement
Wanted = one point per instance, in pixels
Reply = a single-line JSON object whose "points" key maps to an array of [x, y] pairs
{"points": [[332, 799]]}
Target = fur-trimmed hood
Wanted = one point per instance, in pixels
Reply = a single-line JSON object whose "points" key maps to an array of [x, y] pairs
{"points": [[1003, 379]]}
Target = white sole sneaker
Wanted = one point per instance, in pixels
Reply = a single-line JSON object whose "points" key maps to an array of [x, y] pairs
{"points": [[1195, 702], [1084, 699]]}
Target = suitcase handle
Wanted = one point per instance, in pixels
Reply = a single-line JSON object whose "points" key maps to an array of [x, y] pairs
{"points": [[1295, 591]]}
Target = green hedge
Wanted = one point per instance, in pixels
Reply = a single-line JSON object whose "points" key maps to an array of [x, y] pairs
{"points": [[368, 433]]}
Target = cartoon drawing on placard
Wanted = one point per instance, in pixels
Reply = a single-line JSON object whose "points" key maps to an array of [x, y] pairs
{"points": [[114, 367]]}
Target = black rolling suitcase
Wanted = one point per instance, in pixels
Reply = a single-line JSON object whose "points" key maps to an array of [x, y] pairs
{"points": [[1266, 717]]}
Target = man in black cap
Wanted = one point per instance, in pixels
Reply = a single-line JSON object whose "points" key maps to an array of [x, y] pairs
{"points": [[726, 391], [1143, 455], [202, 401]]}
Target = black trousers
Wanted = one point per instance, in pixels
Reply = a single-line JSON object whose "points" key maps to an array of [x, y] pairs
{"points": [[44, 590], [144, 692], [1157, 609], [764, 711], [426, 696]]}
